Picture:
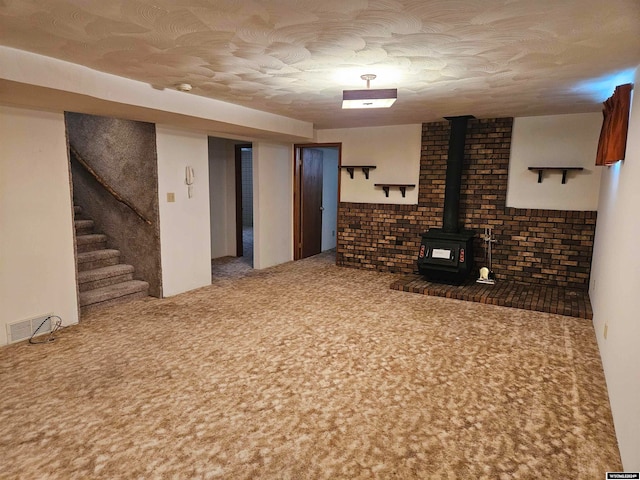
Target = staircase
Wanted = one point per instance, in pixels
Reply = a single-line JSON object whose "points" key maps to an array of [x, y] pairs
{"points": [[102, 279]]}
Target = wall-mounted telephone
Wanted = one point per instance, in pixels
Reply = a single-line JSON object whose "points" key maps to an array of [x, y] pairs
{"points": [[188, 179]]}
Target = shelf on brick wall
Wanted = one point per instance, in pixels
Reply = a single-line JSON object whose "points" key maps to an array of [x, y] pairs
{"points": [[401, 186], [365, 169], [564, 171]]}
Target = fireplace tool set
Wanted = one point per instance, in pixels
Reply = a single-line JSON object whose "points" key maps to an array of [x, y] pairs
{"points": [[486, 273]]}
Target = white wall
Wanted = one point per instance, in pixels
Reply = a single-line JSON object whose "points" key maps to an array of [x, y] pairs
{"points": [[272, 204], [394, 150], [90, 91], [329, 197], [222, 201], [184, 224], [37, 264], [615, 288], [554, 141]]}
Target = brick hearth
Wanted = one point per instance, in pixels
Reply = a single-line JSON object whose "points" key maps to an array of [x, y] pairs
{"points": [[541, 298]]}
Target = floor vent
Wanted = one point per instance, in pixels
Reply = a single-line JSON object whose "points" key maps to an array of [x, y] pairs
{"points": [[23, 330]]}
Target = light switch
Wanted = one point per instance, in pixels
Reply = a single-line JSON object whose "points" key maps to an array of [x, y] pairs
{"points": [[171, 197]]}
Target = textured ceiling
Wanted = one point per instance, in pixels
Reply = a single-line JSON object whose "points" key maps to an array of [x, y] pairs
{"points": [[294, 57]]}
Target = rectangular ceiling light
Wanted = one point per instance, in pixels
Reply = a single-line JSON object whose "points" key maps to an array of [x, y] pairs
{"points": [[369, 98]]}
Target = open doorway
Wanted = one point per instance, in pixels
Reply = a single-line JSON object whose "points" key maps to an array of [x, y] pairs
{"points": [[316, 194], [230, 257]]}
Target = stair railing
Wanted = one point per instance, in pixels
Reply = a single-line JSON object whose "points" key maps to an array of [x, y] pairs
{"points": [[106, 185]]}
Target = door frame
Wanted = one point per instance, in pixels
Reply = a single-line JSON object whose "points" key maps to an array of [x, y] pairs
{"points": [[297, 190], [238, 181]]}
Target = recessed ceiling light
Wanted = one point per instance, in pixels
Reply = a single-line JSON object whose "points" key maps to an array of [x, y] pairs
{"points": [[184, 87]]}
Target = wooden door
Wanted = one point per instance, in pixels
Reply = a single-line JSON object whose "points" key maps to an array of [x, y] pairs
{"points": [[238, 175], [311, 201]]}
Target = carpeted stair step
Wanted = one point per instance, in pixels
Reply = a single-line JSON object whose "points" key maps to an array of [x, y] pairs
{"points": [[98, 259], [93, 241], [103, 277], [83, 227], [112, 294]]}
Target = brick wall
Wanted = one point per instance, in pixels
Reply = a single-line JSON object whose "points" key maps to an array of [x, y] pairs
{"points": [[550, 247]]}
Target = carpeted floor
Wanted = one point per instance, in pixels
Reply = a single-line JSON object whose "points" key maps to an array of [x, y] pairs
{"points": [[304, 371]]}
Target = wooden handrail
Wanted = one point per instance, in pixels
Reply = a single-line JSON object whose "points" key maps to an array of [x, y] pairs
{"points": [[107, 187]]}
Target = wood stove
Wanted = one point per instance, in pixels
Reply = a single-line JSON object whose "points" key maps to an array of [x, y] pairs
{"points": [[446, 254]]}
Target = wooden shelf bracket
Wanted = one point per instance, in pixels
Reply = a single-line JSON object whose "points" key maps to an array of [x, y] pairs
{"points": [[365, 169], [401, 186], [564, 171]]}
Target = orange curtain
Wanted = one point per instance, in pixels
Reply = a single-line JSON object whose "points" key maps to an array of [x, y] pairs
{"points": [[613, 135]]}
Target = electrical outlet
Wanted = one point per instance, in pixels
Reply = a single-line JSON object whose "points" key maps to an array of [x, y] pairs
{"points": [[606, 330], [171, 197]]}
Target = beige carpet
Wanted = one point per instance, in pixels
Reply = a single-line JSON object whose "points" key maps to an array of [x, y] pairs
{"points": [[306, 371]]}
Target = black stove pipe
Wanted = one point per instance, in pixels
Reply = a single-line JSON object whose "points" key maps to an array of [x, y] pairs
{"points": [[450, 216]]}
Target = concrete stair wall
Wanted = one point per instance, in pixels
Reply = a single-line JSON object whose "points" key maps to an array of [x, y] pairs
{"points": [[102, 279]]}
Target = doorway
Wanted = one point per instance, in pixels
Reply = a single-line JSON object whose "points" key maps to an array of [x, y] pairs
{"points": [[316, 190], [225, 208]]}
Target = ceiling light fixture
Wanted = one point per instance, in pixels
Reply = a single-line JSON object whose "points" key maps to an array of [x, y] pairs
{"points": [[184, 87], [369, 98]]}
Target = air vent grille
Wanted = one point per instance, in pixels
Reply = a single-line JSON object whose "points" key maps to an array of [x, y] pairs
{"points": [[23, 330]]}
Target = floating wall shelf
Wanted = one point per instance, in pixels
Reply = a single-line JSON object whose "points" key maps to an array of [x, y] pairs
{"points": [[401, 186], [365, 169], [564, 171]]}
